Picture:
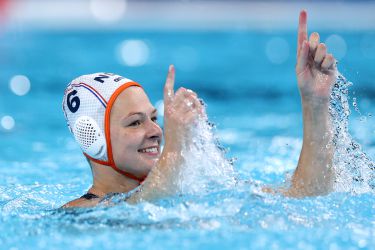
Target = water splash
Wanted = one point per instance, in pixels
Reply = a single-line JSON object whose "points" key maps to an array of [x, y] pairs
{"points": [[207, 169], [354, 169]]}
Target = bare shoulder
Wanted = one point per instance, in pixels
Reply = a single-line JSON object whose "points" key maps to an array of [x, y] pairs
{"points": [[82, 202]]}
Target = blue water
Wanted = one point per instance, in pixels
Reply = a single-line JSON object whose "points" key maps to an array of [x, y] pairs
{"points": [[255, 106]]}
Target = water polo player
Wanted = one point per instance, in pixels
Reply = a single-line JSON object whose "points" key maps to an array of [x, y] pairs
{"points": [[114, 122], [115, 125]]}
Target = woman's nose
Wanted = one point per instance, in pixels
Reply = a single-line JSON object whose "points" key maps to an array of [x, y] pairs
{"points": [[153, 130]]}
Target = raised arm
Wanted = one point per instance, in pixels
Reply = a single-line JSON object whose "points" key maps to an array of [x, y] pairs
{"points": [[181, 111], [316, 73]]}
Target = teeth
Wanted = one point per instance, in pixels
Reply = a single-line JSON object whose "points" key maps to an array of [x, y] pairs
{"points": [[150, 150]]}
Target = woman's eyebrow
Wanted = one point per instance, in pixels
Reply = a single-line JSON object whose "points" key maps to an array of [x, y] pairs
{"points": [[141, 113], [136, 113]]}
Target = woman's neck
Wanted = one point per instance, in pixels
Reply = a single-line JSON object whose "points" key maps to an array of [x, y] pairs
{"points": [[106, 180]]}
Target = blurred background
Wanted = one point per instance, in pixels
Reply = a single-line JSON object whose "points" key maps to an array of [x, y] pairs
{"points": [[184, 14]]}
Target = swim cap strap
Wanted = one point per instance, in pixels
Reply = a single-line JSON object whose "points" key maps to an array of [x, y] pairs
{"points": [[113, 166]]}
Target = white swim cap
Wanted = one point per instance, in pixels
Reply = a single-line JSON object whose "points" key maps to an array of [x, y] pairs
{"points": [[87, 105]]}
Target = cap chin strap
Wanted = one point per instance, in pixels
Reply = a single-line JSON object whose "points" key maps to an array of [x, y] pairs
{"points": [[122, 172]]}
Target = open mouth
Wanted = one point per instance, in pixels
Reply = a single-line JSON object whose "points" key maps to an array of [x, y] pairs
{"points": [[150, 150]]}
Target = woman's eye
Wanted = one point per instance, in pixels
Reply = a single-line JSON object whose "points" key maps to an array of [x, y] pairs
{"points": [[135, 123], [154, 119]]}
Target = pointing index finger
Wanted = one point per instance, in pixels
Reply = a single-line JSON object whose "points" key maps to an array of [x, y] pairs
{"points": [[169, 85], [302, 30]]}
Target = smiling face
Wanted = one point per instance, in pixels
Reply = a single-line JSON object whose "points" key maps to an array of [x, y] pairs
{"points": [[135, 135]]}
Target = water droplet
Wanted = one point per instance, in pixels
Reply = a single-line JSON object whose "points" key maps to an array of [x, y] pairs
{"points": [[351, 164]]}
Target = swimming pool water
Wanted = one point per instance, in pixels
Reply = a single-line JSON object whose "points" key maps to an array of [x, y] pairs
{"points": [[252, 98]]}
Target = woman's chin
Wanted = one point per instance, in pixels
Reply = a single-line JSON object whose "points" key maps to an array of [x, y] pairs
{"points": [[150, 164]]}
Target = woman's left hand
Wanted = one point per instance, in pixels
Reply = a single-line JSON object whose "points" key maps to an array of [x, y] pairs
{"points": [[316, 73], [316, 69]]}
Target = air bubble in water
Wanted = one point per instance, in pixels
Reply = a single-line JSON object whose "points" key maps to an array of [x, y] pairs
{"points": [[363, 118], [355, 105]]}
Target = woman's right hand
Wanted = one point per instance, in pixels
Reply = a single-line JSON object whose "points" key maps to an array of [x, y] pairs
{"points": [[181, 111]]}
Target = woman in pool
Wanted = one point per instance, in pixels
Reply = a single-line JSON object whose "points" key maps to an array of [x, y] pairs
{"points": [[115, 125]]}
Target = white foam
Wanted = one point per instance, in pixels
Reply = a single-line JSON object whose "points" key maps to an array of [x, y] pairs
{"points": [[206, 167], [354, 169]]}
